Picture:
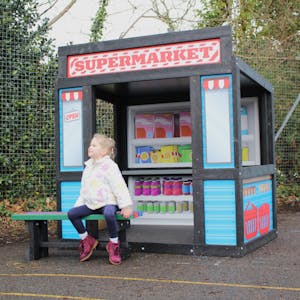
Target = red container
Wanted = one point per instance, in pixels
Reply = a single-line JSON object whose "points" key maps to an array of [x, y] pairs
{"points": [[167, 187], [264, 218], [250, 221], [177, 187]]}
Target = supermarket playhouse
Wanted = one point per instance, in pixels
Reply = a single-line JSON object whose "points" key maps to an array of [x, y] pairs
{"points": [[195, 139]]}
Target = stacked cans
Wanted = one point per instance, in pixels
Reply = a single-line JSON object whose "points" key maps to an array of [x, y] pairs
{"points": [[147, 187], [167, 188], [177, 186], [165, 206]]}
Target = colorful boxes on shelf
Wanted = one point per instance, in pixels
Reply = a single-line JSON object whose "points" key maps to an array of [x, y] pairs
{"points": [[144, 126], [166, 154], [185, 123], [154, 126], [185, 153], [143, 154], [169, 154], [164, 126]]}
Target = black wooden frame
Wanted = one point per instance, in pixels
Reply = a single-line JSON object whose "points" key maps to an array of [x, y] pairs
{"points": [[122, 98]]}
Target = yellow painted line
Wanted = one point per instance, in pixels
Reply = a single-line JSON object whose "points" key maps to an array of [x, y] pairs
{"points": [[220, 284], [46, 296]]}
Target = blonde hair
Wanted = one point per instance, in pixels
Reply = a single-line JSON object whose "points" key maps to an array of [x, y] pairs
{"points": [[107, 144]]}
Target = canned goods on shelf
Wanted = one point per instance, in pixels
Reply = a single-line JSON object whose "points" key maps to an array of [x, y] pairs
{"points": [[167, 187], [138, 187], [155, 187], [140, 206], [179, 207], [156, 206], [171, 207], [147, 187], [177, 187], [149, 207], [162, 207], [185, 205], [191, 206]]}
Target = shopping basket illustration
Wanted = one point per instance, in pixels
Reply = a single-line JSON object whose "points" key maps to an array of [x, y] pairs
{"points": [[264, 218], [250, 221]]}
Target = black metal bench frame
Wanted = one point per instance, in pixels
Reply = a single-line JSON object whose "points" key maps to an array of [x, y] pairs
{"points": [[37, 226]]}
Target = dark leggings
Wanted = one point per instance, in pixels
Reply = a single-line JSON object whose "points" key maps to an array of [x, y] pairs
{"points": [[76, 214]]}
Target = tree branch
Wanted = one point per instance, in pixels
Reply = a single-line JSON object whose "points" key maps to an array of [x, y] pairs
{"points": [[51, 5], [62, 13]]}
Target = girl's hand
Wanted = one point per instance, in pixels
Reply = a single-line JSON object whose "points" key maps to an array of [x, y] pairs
{"points": [[126, 212]]}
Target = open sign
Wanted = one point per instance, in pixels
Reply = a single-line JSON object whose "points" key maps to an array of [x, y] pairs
{"points": [[72, 116]]}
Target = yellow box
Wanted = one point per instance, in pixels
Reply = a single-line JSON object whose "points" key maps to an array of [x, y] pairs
{"points": [[245, 154], [155, 156], [169, 154]]}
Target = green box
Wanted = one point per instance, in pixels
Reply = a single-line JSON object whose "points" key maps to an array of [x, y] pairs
{"points": [[185, 152]]}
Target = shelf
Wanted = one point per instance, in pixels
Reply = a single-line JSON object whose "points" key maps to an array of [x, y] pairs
{"points": [[155, 172], [160, 165], [183, 219], [152, 167], [144, 146], [247, 137], [163, 141], [183, 215], [248, 163], [164, 198], [250, 141]]}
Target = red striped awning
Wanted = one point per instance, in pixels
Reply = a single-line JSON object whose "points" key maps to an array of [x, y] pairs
{"points": [[216, 83], [72, 95]]}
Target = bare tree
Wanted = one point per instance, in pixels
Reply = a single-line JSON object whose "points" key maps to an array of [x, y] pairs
{"points": [[49, 4], [169, 12]]}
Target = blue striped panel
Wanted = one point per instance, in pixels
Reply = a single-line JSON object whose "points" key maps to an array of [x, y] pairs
{"points": [[70, 191], [220, 212]]}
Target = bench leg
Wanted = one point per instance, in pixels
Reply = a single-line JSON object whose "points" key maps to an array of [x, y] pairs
{"points": [[92, 228], [38, 232], [124, 247]]}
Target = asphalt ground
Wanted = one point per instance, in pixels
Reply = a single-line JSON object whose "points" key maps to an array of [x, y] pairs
{"points": [[271, 272]]}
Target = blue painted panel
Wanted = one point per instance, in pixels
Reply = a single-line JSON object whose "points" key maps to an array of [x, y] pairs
{"points": [[258, 208], [70, 191], [220, 212]]}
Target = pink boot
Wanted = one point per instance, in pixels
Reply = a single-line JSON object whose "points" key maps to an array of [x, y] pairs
{"points": [[113, 250], [87, 247]]}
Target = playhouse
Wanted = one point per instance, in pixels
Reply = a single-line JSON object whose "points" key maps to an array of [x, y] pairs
{"points": [[195, 137]]}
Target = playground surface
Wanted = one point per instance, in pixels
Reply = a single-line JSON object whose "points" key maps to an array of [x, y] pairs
{"points": [[271, 272]]}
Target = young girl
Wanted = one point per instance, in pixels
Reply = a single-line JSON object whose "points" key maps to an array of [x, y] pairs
{"points": [[104, 191]]}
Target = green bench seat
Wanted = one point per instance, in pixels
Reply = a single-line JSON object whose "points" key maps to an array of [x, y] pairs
{"points": [[58, 216]]}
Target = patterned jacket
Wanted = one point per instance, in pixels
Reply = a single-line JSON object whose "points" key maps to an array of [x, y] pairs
{"points": [[103, 184]]}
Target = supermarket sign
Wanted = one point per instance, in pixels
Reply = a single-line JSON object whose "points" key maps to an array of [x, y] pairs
{"points": [[145, 58]]}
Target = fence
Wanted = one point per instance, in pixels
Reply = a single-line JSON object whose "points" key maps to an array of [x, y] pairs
{"points": [[281, 68], [27, 158]]}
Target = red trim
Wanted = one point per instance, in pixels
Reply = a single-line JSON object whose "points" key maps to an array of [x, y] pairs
{"points": [[72, 95], [216, 83]]}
